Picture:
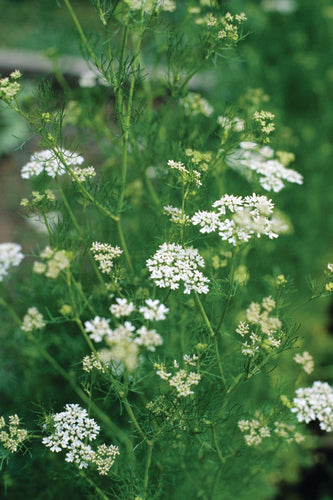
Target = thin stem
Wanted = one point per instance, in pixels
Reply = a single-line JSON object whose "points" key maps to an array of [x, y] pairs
{"points": [[91, 483], [217, 448], [204, 315], [151, 190], [68, 207], [134, 420], [228, 299], [11, 311], [124, 246], [208, 323], [81, 33], [216, 479], [148, 463]]}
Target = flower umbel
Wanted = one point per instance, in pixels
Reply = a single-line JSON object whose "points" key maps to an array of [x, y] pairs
{"points": [[172, 264]]}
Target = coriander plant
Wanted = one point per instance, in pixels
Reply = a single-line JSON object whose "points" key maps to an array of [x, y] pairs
{"points": [[160, 370]]}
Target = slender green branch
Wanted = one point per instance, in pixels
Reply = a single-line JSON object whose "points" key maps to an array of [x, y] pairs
{"points": [[93, 484], [208, 323], [148, 464], [133, 417], [230, 290], [81, 33], [217, 448], [204, 315]]}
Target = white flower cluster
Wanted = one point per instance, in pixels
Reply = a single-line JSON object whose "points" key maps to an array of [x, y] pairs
{"points": [[104, 254], [123, 341], [182, 380], [265, 121], [12, 439], [10, 255], [38, 198], [259, 431], [176, 215], [150, 6], [9, 87], [306, 360], [82, 174], [315, 403], [153, 310], [72, 429], [33, 320], [226, 28], [236, 124], [94, 362], [122, 308], [265, 331], [195, 104], [188, 176], [172, 264], [287, 432], [98, 328], [47, 161], [55, 262], [251, 216], [252, 160]]}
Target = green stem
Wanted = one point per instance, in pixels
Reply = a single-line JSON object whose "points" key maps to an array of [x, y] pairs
{"points": [[124, 246], [11, 311], [228, 299], [151, 190], [68, 207], [204, 315], [148, 463], [208, 323], [91, 483], [81, 33], [134, 420], [217, 448]]}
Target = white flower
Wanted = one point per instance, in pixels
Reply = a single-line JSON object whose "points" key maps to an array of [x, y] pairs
{"points": [[98, 328], [10, 255], [208, 221], [149, 6], [104, 254], [190, 360], [122, 308], [148, 338], [315, 403], [257, 431], [182, 382], [176, 215], [194, 104], [122, 332], [252, 161], [72, 429], [33, 320], [82, 174], [250, 216], [154, 310], [306, 360], [49, 162], [172, 264]]}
